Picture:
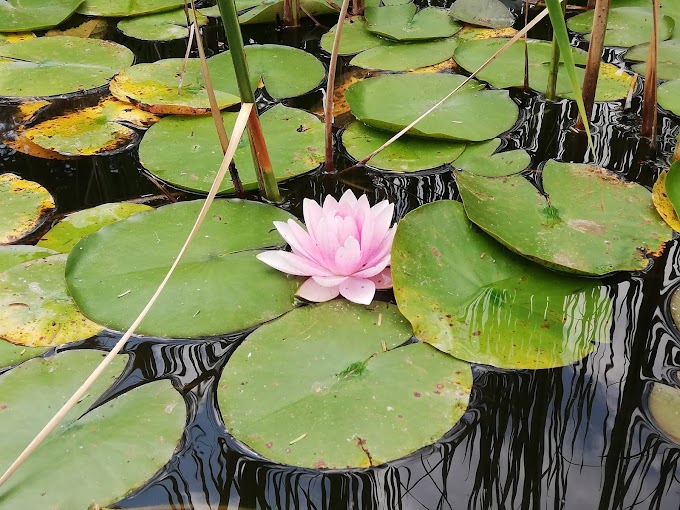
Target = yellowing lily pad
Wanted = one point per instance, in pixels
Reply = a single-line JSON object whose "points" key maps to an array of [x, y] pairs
{"points": [[164, 26], [329, 386], [101, 129], [27, 15], [63, 236], [35, 308], [13, 255], [24, 206], [663, 204]]}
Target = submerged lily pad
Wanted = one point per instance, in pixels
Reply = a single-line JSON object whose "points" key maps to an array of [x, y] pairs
{"points": [[402, 23], [219, 287], [13, 255], [133, 436], [52, 66], [118, 9], [35, 308], [668, 96], [327, 386], [507, 70], [591, 222], [164, 26], [185, 150], [27, 15], [471, 297], [667, 62], [626, 26], [24, 206], [285, 71], [485, 13], [100, 129], [407, 154], [11, 354], [72, 228], [664, 404], [481, 159], [472, 113]]}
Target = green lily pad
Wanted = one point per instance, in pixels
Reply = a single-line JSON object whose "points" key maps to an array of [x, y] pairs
{"points": [[24, 207], [471, 297], [11, 354], [626, 26], [28, 15], [63, 236], [52, 66], [266, 11], [327, 386], [664, 404], [484, 13], [118, 9], [89, 461], [481, 159], [402, 22], [472, 113], [668, 96], [185, 150], [667, 62], [508, 69], [407, 154], [14, 255], [97, 130], [672, 184], [591, 222], [285, 71], [383, 54], [219, 287], [164, 26], [663, 205], [35, 308]]}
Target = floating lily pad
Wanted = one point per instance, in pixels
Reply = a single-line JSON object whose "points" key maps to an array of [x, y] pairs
{"points": [[485, 13], [118, 9], [591, 222], [481, 159], [285, 71], [185, 150], [24, 206], [508, 69], [35, 308], [407, 154], [11, 354], [27, 15], [219, 287], [265, 11], [14, 255], [51, 66], [64, 235], [667, 62], [471, 297], [664, 404], [327, 386], [93, 460], [668, 96], [164, 26], [472, 113], [101, 129], [626, 26], [666, 195], [402, 22]]}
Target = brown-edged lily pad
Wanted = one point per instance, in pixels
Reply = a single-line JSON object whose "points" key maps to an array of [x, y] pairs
{"points": [[24, 206]]}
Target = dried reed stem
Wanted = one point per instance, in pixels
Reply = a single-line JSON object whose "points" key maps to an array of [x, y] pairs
{"points": [[648, 129]]}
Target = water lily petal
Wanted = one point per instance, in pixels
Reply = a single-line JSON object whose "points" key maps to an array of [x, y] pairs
{"points": [[329, 281], [358, 290], [312, 291], [312, 213], [347, 227], [383, 280], [330, 206], [379, 252], [292, 264], [374, 269], [298, 239], [348, 257], [326, 239]]}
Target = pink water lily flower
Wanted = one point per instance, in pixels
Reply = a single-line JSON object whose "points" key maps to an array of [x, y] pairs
{"points": [[345, 249]]}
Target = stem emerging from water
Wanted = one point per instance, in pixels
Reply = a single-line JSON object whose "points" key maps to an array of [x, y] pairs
{"points": [[291, 13], [554, 63], [648, 129]]}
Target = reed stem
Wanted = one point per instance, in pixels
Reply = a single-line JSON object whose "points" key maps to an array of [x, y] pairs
{"points": [[550, 92], [648, 129], [291, 13]]}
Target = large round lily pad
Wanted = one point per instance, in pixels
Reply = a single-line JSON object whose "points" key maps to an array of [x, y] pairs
{"points": [[327, 386], [472, 113], [24, 206], [27, 15], [63, 236], [118, 9], [163, 26], [407, 154], [185, 150], [481, 158], [667, 60], [402, 23], [469, 296], [219, 287], [285, 71], [13, 255], [35, 308], [591, 222], [265, 11], [626, 26], [668, 96], [90, 461], [507, 70], [664, 404], [51, 66], [485, 13], [101, 129]]}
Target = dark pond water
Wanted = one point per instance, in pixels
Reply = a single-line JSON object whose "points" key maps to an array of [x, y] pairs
{"points": [[579, 437]]}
